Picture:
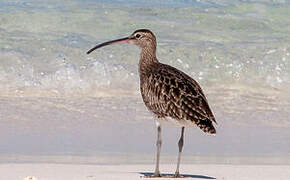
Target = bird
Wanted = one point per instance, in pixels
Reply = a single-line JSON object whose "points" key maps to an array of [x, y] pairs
{"points": [[169, 94]]}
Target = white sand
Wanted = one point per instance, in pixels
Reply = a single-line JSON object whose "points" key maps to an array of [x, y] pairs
{"points": [[127, 172]]}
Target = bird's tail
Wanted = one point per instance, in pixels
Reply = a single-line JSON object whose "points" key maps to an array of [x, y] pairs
{"points": [[206, 126]]}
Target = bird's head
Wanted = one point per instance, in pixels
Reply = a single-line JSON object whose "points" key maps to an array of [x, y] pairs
{"points": [[143, 38]]}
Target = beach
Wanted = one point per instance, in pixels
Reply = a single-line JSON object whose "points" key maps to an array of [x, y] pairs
{"points": [[66, 115], [137, 171]]}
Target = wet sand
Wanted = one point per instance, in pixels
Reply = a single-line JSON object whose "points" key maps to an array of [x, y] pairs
{"points": [[91, 126]]}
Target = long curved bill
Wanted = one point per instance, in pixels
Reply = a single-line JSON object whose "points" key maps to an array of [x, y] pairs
{"points": [[117, 41]]}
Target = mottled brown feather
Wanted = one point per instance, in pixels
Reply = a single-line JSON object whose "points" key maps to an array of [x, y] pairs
{"points": [[168, 92]]}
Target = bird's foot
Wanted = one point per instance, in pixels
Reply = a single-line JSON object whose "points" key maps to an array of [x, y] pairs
{"points": [[177, 175], [155, 175]]}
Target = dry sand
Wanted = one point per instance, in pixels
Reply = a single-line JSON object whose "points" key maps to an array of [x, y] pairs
{"points": [[128, 172]]}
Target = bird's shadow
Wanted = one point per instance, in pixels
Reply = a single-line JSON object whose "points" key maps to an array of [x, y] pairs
{"points": [[150, 175]]}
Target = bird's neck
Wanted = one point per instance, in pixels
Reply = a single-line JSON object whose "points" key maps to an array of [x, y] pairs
{"points": [[147, 58]]}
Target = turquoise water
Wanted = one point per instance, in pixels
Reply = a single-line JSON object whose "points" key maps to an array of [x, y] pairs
{"points": [[55, 99], [43, 44]]}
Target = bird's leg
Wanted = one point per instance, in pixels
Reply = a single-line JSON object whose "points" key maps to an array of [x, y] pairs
{"points": [[180, 145], [158, 144]]}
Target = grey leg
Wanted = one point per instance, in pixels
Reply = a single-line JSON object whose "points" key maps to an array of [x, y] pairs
{"points": [[180, 145], [158, 144]]}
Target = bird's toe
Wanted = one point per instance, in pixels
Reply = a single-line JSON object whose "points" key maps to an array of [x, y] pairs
{"points": [[177, 175], [153, 176]]}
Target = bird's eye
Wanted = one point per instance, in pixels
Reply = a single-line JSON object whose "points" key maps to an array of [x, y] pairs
{"points": [[137, 35]]}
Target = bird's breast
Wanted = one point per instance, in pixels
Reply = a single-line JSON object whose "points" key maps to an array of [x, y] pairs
{"points": [[153, 98]]}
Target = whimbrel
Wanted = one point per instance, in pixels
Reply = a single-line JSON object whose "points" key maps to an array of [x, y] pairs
{"points": [[170, 94]]}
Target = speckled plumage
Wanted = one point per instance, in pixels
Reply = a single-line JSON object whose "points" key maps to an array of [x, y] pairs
{"points": [[168, 92]]}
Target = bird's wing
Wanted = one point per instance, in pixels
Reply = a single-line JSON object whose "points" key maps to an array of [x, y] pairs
{"points": [[177, 95]]}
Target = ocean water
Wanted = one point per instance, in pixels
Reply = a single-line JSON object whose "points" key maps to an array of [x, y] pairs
{"points": [[55, 100]]}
